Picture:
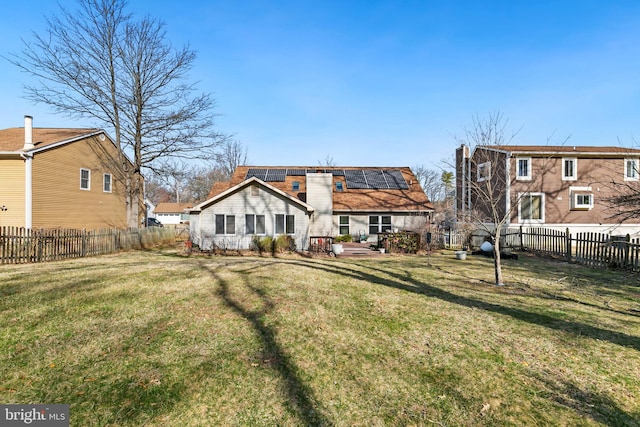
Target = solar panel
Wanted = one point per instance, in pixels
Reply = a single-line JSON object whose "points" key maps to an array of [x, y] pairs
{"points": [[276, 175], [337, 172], [375, 179], [296, 172], [355, 179], [258, 173], [395, 179]]}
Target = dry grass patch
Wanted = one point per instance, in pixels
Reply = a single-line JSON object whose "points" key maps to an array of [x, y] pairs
{"points": [[157, 338]]}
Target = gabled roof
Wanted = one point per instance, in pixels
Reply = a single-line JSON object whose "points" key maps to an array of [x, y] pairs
{"points": [[563, 149], [234, 188], [410, 198], [166, 208], [12, 139]]}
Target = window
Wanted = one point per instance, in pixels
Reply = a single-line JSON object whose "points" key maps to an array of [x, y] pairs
{"points": [[339, 186], [484, 171], [631, 169], [531, 207], [523, 168], [344, 225], [255, 224], [295, 186], [255, 191], [225, 224], [581, 198], [106, 183], [569, 169], [85, 179], [379, 224], [285, 224]]}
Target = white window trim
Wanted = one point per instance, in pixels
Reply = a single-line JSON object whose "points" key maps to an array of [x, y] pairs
{"points": [[88, 179], [275, 224], [235, 225], [575, 169], [255, 222], [523, 177], [104, 181], [542, 208], [486, 165], [577, 191], [637, 169]]}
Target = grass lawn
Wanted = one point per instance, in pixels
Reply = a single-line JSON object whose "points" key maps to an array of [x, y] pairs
{"points": [[160, 339]]}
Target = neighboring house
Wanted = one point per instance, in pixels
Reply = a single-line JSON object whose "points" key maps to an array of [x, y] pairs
{"points": [[553, 186], [172, 213], [63, 178], [306, 202]]}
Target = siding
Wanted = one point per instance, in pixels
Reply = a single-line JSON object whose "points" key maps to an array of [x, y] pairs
{"points": [[58, 200], [266, 203], [12, 192], [596, 173]]}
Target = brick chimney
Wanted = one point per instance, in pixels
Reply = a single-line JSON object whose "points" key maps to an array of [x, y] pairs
{"points": [[28, 133]]}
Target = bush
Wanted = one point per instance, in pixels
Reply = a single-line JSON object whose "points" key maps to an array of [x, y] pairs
{"points": [[262, 244], [343, 238], [284, 243]]}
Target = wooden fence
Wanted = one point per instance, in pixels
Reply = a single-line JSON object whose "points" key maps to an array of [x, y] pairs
{"points": [[20, 245], [591, 249]]}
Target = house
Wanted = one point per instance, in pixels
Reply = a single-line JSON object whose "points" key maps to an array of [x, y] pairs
{"points": [[172, 213], [305, 202], [64, 178], [555, 186]]}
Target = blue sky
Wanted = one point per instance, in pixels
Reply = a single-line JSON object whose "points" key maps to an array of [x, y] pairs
{"points": [[387, 83]]}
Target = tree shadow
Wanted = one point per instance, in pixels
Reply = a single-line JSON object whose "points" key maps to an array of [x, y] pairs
{"points": [[408, 283], [300, 398]]}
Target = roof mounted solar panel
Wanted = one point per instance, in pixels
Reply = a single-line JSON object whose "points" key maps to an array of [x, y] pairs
{"points": [[337, 172], [375, 179], [258, 173], [276, 175], [355, 179], [395, 179], [296, 172]]}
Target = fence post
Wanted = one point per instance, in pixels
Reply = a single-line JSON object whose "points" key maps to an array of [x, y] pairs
{"points": [[568, 243]]}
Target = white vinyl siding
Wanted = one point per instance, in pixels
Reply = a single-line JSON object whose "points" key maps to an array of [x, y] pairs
{"points": [[244, 204]]}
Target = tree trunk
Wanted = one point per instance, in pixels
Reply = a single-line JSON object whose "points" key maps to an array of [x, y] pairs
{"points": [[497, 266]]}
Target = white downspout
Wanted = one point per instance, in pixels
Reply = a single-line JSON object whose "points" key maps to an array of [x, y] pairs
{"points": [[28, 191], [508, 189], [28, 171]]}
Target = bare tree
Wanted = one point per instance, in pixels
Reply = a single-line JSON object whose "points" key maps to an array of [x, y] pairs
{"points": [[202, 180], [97, 62], [430, 181], [490, 211], [231, 155]]}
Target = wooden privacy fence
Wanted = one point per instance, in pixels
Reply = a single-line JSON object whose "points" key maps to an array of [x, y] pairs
{"points": [[21, 245]]}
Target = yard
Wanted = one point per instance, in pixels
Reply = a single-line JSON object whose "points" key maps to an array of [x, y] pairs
{"points": [[160, 339]]}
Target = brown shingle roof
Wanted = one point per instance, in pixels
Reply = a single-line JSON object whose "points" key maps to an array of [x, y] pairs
{"points": [[12, 139], [172, 207], [349, 200]]}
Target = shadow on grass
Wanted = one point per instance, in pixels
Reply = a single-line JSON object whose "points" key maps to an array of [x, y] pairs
{"points": [[300, 397], [598, 406], [408, 283], [592, 404]]}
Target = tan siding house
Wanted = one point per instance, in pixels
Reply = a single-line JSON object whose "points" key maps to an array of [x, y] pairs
{"points": [[555, 186], [62, 178], [309, 201]]}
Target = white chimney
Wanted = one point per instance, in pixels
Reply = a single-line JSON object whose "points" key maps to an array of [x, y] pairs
{"points": [[28, 133]]}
